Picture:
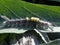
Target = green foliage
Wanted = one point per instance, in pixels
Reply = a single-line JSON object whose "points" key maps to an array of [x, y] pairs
{"points": [[2, 38], [19, 8]]}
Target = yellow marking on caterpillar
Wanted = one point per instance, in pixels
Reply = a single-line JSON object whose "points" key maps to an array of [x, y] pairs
{"points": [[34, 19], [27, 18]]}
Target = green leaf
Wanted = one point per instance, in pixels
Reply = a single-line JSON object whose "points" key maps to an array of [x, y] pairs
{"points": [[19, 8]]}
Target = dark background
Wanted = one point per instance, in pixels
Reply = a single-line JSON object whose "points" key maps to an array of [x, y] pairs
{"points": [[48, 2]]}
